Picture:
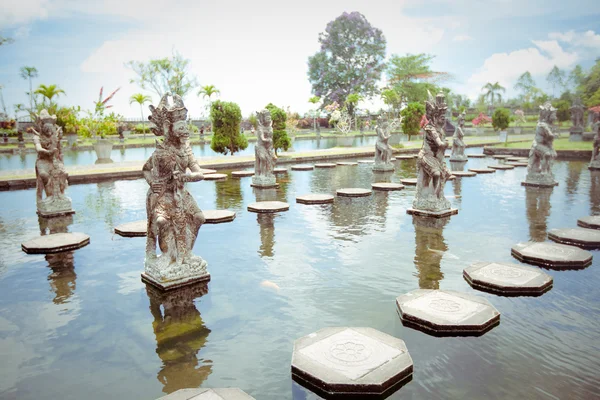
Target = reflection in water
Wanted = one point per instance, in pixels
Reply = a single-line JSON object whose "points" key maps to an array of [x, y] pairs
{"points": [[381, 201], [595, 192], [228, 194], [537, 201], [457, 166], [429, 250], [457, 186], [180, 334], [575, 168], [59, 224], [266, 222], [62, 278], [349, 217], [105, 203]]}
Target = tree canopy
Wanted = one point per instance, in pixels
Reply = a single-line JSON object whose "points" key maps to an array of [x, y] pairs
{"points": [[556, 78], [590, 86], [411, 76]]}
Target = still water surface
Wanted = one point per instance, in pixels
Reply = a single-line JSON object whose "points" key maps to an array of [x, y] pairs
{"points": [[83, 325]]}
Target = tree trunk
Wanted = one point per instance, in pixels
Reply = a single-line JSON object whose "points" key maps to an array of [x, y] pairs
{"points": [[143, 125], [30, 95]]}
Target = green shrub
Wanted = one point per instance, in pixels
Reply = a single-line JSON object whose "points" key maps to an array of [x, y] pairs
{"points": [[226, 118], [501, 119], [563, 110], [280, 138], [411, 122], [193, 129]]}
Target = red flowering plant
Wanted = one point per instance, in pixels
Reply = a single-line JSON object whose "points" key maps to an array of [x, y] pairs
{"points": [[481, 120]]}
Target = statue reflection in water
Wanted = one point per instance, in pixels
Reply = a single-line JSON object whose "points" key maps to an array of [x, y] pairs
{"points": [[266, 222], [595, 192], [62, 278], [180, 335], [429, 250], [538, 210]]}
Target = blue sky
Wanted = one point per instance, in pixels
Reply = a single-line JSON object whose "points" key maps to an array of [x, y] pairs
{"points": [[256, 52]]}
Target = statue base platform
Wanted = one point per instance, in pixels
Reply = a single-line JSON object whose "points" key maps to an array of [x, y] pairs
{"points": [[594, 166], [52, 214], [432, 214], [170, 285], [539, 184], [264, 186], [264, 182], [459, 159]]}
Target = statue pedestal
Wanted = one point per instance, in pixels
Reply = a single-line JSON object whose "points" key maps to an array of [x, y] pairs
{"points": [[264, 182], [594, 166], [459, 159], [432, 214], [575, 134], [175, 275], [539, 183], [54, 206]]}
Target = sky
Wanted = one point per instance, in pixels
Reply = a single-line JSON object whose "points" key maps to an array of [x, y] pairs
{"points": [[256, 52]]}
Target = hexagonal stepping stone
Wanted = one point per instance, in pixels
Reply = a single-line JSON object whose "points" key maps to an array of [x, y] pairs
{"points": [[476, 155], [351, 362], [302, 167], [315, 198], [446, 312], [463, 174], [325, 165], [501, 156], [268, 206], [347, 163], [501, 166], [387, 186], [409, 181], [208, 394], [242, 174], [552, 255], [280, 170], [407, 157], [353, 192], [208, 171], [508, 279], [433, 214], [218, 216], [482, 170], [132, 229], [215, 177], [580, 237], [366, 161], [517, 163], [517, 159], [56, 243], [592, 222], [447, 155], [392, 158]]}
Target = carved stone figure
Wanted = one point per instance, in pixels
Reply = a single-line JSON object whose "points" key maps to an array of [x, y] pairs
{"points": [[595, 162], [51, 176], [173, 215], [264, 154], [383, 151], [576, 131], [431, 166], [458, 145], [542, 154]]}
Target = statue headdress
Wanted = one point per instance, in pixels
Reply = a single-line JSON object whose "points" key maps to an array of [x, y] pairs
{"points": [[262, 115], [461, 117], [435, 107], [45, 116], [165, 115], [546, 110]]}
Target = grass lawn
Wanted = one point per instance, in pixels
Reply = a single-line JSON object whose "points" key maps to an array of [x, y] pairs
{"points": [[559, 144]]}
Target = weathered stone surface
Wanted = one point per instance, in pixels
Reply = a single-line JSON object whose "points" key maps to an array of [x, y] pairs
{"points": [[325, 165], [507, 279], [56, 243], [446, 312], [517, 159], [353, 192], [347, 163], [264, 153], [451, 178], [383, 151], [463, 174], [432, 214], [552, 255], [393, 159], [268, 206], [280, 170], [542, 154], [132, 229], [351, 361], [242, 174], [517, 163], [218, 216], [207, 171], [302, 167], [406, 157], [208, 394], [215, 177], [315, 199], [365, 161], [387, 186], [482, 170], [501, 166], [595, 160], [458, 145], [476, 155], [409, 181], [592, 222], [580, 237], [500, 156]]}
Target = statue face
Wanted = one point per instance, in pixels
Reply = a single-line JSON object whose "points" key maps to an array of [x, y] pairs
{"points": [[441, 119], [552, 117], [180, 129], [48, 128]]}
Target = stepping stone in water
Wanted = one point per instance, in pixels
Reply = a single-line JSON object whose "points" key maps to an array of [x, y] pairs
{"points": [[447, 155], [347, 163], [208, 394], [447, 313], [242, 174], [580, 237], [353, 192], [517, 159], [132, 229], [392, 158], [215, 177], [463, 174], [366, 161], [517, 163], [482, 170], [409, 157], [302, 168], [387, 186], [500, 156], [552, 255], [507, 279], [476, 155], [280, 170], [432, 214], [268, 207], [208, 171], [315, 199], [351, 361], [56, 243], [325, 165], [218, 216], [409, 181], [592, 222], [501, 166]]}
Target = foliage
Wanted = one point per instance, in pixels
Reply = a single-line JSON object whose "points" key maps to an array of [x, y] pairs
{"points": [[501, 119], [226, 118], [102, 105], [481, 120], [67, 118], [493, 91], [208, 91], [343, 122], [556, 77], [48, 92], [291, 122], [563, 110], [5, 40], [280, 137], [253, 120], [193, 128], [140, 98], [350, 60], [411, 118], [104, 126], [411, 76], [164, 75], [590, 86], [392, 99], [526, 85], [10, 124], [575, 79], [28, 73]]}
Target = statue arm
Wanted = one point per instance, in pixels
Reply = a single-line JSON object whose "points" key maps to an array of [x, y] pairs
{"points": [[147, 171], [38, 145], [196, 174]]}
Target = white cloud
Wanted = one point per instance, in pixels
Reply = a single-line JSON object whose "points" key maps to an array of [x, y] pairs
{"points": [[587, 43], [17, 12], [461, 38]]}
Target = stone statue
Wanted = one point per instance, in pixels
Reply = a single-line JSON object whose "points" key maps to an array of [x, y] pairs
{"points": [[458, 146], [576, 131], [383, 151], [51, 176], [541, 155], [264, 154], [431, 166], [173, 215], [595, 162]]}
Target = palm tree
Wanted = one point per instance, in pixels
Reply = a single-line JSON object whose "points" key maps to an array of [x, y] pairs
{"points": [[48, 92], [314, 100], [29, 73], [207, 91], [140, 99], [493, 91]]}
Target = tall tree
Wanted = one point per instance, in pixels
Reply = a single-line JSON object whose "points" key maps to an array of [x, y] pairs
{"points": [[351, 102], [350, 60], [207, 91], [493, 91], [392, 99], [140, 99], [226, 118], [28, 73], [164, 75], [526, 85], [314, 100], [411, 76], [48, 92], [556, 77], [576, 77], [280, 138], [590, 86]]}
